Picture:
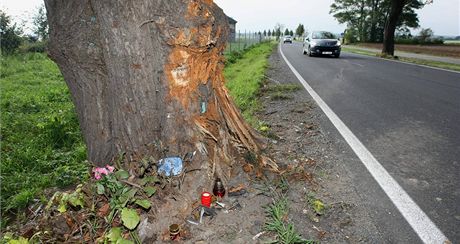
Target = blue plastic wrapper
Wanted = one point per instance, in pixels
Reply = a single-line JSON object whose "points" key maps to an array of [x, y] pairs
{"points": [[171, 166]]}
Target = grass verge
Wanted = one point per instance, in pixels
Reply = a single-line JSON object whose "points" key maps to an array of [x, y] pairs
{"points": [[41, 145], [436, 64], [244, 73]]}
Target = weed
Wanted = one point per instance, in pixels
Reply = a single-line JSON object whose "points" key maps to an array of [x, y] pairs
{"points": [[280, 96], [283, 88], [277, 215], [315, 203]]}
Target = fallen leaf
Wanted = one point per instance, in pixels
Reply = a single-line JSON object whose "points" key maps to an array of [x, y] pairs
{"points": [[237, 188], [104, 210], [248, 168]]}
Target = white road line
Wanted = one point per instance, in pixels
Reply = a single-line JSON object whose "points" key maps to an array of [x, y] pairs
{"points": [[417, 219]]}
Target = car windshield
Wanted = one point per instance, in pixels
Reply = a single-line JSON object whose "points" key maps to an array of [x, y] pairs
{"points": [[323, 35], [288, 37]]}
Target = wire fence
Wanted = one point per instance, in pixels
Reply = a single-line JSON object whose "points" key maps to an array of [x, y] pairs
{"points": [[241, 40]]}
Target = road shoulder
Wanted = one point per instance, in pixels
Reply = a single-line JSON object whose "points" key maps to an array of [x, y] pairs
{"points": [[300, 141]]}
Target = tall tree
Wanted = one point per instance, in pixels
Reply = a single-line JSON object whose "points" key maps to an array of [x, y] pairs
{"points": [[146, 79], [291, 33], [265, 32], [300, 30], [368, 17], [286, 32], [396, 9], [9, 34], [41, 24], [269, 33]]}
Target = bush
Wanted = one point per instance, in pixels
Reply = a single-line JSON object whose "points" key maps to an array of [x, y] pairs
{"points": [[417, 41], [33, 47], [233, 56]]}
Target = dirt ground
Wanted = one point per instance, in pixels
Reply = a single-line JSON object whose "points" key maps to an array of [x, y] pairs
{"points": [[436, 50]]}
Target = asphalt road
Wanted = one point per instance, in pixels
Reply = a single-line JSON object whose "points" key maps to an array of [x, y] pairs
{"points": [[408, 117]]}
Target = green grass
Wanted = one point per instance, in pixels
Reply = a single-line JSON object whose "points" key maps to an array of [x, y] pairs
{"points": [[41, 144], [277, 222], [245, 76], [430, 63]]}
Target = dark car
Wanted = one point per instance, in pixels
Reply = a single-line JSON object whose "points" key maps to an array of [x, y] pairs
{"points": [[321, 43]]}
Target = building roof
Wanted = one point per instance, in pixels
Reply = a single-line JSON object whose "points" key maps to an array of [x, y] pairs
{"points": [[231, 20]]}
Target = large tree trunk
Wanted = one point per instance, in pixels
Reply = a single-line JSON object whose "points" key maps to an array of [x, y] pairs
{"points": [[146, 79], [390, 27]]}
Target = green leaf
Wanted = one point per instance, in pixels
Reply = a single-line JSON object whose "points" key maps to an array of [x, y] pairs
{"points": [[318, 206], [143, 203], [21, 240], [122, 174], [127, 196], [149, 190], [114, 234], [148, 179], [100, 188], [129, 218], [124, 241], [76, 200]]}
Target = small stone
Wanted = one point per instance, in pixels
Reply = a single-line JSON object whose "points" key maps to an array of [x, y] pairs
{"points": [[438, 199]]}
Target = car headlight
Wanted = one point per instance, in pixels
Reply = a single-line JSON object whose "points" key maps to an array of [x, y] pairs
{"points": [[338, 44], [312, 44]]}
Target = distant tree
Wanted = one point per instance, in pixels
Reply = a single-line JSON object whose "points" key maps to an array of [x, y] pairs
{"points": [[291, 33], [425, 35], [300, 30], [369, 17], [286, 32], [265, 32], [41, 24], [9, 33], [402, 33], [269, 33], [277, 31]]}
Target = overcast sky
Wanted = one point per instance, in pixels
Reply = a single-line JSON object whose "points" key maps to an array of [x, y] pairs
{"points": [[443, 16]]}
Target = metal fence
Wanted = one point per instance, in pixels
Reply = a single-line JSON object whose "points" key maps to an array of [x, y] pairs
{"points": [[241, 40]]}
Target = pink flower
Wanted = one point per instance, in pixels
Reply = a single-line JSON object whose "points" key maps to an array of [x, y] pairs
{"points": [[102, 171], [97, 176], [110, 168]]}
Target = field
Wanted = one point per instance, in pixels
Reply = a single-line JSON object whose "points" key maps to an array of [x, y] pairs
{"points": [[41, 144], [437, 50]]}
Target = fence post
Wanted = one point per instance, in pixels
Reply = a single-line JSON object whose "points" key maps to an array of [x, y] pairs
{"points": [[239, 40]]}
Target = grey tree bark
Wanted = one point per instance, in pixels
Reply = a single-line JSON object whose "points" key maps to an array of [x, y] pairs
{"points": [[146, 79]]}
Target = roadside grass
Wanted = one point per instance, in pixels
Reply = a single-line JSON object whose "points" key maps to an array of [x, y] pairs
{"points": [[281, 91], [277, 222], [41, 144], [244, 73], [436, 64]]}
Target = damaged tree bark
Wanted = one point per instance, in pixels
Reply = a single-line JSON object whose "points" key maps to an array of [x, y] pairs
{"points": [[146, 79]]}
